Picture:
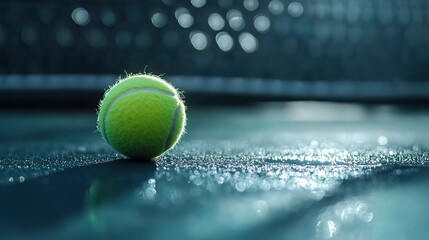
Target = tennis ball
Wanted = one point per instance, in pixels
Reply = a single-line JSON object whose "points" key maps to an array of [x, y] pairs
{"points": [[142, 116]]}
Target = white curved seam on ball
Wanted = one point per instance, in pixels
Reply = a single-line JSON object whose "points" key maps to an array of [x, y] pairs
{"points": [[172, 128], [123, 94]]}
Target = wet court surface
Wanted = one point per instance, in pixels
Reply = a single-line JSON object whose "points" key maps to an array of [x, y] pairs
{"points": [[270, 171]]}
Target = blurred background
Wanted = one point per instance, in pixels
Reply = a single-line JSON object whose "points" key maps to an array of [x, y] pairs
{"points": [[250, 50], [307, 119]]}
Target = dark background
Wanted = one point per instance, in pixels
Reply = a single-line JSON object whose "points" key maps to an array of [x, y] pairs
{"points": [[243, 50], [270, 160]]}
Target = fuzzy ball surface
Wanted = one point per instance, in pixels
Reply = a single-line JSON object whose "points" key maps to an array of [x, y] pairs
{"points": [[142, 116]]}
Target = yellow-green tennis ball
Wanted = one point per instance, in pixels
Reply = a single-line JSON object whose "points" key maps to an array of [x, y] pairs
{"points": [[142, 116]]}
